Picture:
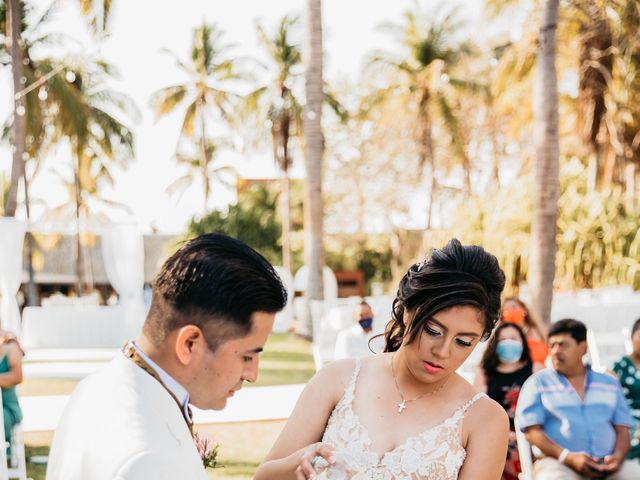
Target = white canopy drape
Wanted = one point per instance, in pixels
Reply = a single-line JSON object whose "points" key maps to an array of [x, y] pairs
{"points": [[329, 282], [285, 317], [123, 256], [12, 233]]}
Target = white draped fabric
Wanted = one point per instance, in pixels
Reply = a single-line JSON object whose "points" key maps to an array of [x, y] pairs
{"points": [[330, 284], [285, 317], [12, 233], [123, 256]]}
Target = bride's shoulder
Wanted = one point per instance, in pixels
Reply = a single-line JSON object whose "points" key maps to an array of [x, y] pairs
{"points": [[340, 373], [478, 405], [342, 369], [483, 410]]}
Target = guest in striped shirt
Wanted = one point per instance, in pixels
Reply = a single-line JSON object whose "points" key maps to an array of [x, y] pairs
{"points": [[577, 418]]}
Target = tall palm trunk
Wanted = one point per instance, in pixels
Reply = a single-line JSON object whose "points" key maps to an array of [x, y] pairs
{"points": [[630, 182], [18, 128], [546, 189], [314, 146], [492, 131], [596, 65], [286, 190], [79, 252], [425, 150], [33, 295], [495, 159], [204, 163], [286, 220], [466, 168]]}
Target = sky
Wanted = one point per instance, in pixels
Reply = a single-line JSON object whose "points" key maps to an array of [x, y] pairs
{"points": [[140, 29]]}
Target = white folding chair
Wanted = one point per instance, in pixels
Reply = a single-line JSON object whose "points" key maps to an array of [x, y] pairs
{"points": [[18, 462], [524, 452], [594, 351], [16, 466]]}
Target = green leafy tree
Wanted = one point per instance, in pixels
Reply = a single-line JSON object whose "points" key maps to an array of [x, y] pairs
{"points": [[252, 219], [598, 239]]}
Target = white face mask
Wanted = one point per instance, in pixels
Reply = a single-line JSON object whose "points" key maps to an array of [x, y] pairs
{"points": [[509, 351]]}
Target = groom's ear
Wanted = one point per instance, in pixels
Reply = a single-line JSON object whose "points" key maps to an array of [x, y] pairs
{"points": [[189, 344]]}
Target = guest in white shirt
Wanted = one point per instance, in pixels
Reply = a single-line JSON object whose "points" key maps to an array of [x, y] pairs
{"points": [[354, 341]]}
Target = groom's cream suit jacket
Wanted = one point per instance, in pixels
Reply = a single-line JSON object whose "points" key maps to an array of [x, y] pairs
{"points": [[121, 424]]}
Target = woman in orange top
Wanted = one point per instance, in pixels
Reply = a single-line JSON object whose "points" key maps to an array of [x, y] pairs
{"points": [[515, 311]]}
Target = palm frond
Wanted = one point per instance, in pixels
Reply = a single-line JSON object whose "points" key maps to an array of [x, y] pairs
{"points": [[166, 100], [180, 185], [187, 129], [183, 66]]}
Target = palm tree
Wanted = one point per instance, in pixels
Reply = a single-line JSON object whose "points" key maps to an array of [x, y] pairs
{"points": [[203, 96], [97, 14], [546, 187], [80, 106], [283, 111], [595, 71], [625, 90], [25, 129], [425, 78], [18, 136], [314, 149], [208, 172]]}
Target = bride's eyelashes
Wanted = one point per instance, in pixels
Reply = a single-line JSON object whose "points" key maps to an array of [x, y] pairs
{"points": [[434, 332]]}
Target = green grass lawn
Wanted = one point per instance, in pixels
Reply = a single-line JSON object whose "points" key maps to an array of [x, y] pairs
{"points": [[286, 360]]}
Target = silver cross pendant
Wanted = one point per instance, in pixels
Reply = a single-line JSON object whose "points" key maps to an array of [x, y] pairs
{"points": [[401, 406]]}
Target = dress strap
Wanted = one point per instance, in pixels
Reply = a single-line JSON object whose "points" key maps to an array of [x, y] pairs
{"points": [[475, 398], [351, 386]]}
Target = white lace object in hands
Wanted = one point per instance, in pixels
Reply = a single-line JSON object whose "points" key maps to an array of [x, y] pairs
{"points": [[338, 471]]}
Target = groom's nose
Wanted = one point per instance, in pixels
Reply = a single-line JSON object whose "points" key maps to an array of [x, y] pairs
{"points": [[250, 373]]}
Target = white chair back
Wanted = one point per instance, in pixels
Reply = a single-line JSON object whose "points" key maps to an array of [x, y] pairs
{"points": [[16, 466], [4, 472], [594, 352], [17, 462], [524, 452]]}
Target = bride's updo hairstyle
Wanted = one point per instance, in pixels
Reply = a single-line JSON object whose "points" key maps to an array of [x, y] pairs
{"points": [[456, 275]]}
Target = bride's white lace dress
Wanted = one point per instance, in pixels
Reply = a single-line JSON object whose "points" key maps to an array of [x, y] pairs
{"points": [[434, 454]]}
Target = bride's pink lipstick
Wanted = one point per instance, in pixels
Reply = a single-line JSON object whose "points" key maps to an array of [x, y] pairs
{"points": [[432, 367]]}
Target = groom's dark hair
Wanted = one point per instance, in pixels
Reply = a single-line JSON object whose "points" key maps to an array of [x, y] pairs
{"points": [[216, 283]]}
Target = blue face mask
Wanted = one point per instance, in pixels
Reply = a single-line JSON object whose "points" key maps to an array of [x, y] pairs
{"points": [[509, 351], [366, 323]]}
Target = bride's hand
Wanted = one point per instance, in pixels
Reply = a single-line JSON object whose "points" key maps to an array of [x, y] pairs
{"points": [[305, 470]]}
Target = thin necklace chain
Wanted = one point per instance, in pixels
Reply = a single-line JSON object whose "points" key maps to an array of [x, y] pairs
{"points": [[403, 404]]}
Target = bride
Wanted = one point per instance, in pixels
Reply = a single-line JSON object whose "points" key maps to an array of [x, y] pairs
{"points": [[406, 414]]}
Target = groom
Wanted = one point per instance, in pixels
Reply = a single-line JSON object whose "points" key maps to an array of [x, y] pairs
{"points": [[214, 303]]}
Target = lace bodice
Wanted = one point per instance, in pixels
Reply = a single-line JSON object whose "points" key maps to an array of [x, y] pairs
{"points": [[434, 454]]}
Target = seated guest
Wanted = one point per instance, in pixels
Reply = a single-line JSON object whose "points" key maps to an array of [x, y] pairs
{"points": [[10, 375], [354, 341], [505, 365], [628, 371], [577, 418], [515, 311]]}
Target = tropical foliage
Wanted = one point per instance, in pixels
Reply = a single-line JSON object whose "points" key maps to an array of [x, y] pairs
{"points": [[439, 140], [598, 237], [252, 219]]}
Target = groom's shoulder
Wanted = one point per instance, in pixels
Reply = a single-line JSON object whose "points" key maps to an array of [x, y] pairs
{"points": [[118, 372], [117, 386]]}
